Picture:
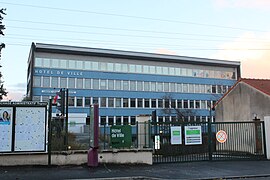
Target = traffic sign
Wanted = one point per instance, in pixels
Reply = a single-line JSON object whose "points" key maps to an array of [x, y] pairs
{"points": [[221, 136]]}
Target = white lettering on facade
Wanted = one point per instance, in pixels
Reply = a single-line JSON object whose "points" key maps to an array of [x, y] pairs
{"points": [[69, 73]]}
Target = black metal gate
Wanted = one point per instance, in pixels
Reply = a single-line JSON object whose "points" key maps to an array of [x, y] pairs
{"points": [[208, 141]]}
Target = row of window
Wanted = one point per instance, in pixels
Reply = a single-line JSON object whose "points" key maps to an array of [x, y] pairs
{"points": [[131, 68], [105, 102], [131, 120], [109, 84]]}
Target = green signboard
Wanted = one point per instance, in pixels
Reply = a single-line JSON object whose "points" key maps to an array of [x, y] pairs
{"points": [[121, 136]]}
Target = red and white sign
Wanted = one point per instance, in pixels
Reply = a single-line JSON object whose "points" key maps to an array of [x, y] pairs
{"points": [[221, 136]]}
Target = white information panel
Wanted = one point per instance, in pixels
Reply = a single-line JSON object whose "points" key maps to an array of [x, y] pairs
{"points": [[176, 135], [193, 135], [30, 129], [6, 128], [157, 142]]}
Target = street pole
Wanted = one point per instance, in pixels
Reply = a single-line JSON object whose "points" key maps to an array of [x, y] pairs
{"points": [[50, 133], [66, 123]]}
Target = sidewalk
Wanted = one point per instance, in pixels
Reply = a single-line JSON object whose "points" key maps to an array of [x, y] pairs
{"points": [[192, 170]]}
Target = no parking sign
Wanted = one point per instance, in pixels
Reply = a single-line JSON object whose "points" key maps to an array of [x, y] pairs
{"points": [[221, 136]]}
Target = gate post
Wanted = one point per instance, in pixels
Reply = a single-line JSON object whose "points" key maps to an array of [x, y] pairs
{"points": [[210, 153], [267, 136]]}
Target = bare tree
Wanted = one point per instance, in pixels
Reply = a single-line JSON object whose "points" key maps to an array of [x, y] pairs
{"points": [[3, 91]]}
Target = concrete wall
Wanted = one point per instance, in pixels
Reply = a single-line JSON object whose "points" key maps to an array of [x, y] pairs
{"points": [[77, 158], [242, 103]]}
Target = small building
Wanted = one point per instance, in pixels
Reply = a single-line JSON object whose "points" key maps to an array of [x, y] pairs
{"points": [[247, 100]]}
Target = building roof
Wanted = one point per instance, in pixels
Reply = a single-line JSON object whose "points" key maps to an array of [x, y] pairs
{"points": [[53, 48], [262, 85]]}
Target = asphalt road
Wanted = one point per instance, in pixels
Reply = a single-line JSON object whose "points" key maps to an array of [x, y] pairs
{"points": [[193, 170]]}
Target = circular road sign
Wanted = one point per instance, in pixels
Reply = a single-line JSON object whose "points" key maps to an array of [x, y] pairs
{"points": [[221, 136]]}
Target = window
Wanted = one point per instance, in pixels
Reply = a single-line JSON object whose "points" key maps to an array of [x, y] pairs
{"points": [[160, 86], [202, 88], [36, 98], [172, 87], [171, 71], [111, 120], [118, 67], [160, 103], [117, 85], [103, 120], [38, 62], [153, 86], [173, 103], [118, 120], [79, 65], [103, 102], [146, 86], [224, 89], [125, 102], [179, 104], [159, 70], [95, 100], [71, 82], [79, 83], [95, 66], [95, 83], [197, 88], [55, 63], [46, 81], [173, 118], [139, 86], [71, 101], [146, 69], [124, 68], [111, 84], [132, 120], [87, 83], [79, 101], [138, 68], [185, 104], [160, 119], [185, 88], [87, 101], [46, 63], [103, 84], [110, 102], [103, 66], [177, 71], [153, 103], [219, 89], [133, 85], [203, 104], [198, 118], [192, 119], [191, 104], [179, 88], [165, 70], [63, 82], [189, 72], [132, 68], [197, 104], [152, 69], [208, 89], [191, 88], [203, 118], [140, 103], [110, 66], [45, 98], [37, 81], [146, 103], [72, 64], [132, 102], [118, 102], [125, 120], [167, 103], [214, 89], [126, 85], [63, 64], [166, 87], [167, 118]]}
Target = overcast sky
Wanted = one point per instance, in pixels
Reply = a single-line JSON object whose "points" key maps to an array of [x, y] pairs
{"points": [[223, 29]]}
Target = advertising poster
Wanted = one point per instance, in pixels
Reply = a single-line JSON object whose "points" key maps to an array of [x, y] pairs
{"points": [[176, 135], [193, 135], [157, 142], [30, 129], [5, 129]]}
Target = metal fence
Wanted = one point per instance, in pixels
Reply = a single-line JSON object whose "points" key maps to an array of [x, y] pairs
{"points": [[242, 140], [78, 136]]}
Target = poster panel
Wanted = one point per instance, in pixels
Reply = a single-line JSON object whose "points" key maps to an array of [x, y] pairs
{"points": [[30, 129], [176, 135], [157, 142], [193, 135], [6, 123]]}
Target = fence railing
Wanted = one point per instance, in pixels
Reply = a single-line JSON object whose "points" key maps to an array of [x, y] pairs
{"points": [[78, 136]]}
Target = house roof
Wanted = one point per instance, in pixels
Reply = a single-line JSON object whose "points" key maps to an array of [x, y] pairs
{"points": [[131, 54], [262, 85]]}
